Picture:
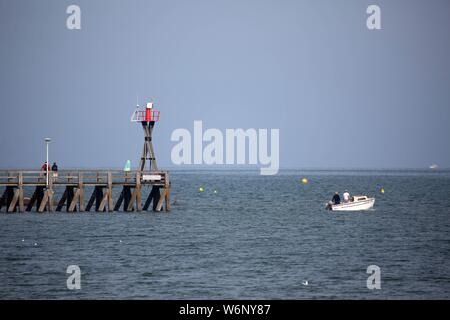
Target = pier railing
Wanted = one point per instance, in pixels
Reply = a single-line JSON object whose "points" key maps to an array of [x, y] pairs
{"points": [[87, 177]]}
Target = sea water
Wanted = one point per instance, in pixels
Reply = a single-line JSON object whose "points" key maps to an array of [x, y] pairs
{"points": [[246, 236]]}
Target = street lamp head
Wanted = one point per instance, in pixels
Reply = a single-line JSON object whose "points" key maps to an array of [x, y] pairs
{"points": [[47, 139]]}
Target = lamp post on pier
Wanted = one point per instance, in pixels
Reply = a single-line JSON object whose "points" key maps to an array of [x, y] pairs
{"points": [[47, 141]]}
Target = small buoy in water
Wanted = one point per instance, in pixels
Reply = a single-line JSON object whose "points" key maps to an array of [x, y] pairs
{"points": [[201, 189], [305, 181], [305, 283], [382, 190], [35, 244], [215, 191], [23, 240], [120, 241]]}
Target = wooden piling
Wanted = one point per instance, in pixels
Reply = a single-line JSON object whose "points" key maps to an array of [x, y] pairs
{"points": [[110, 193], [81, 194], [50, 192], [62, 201], [98, 198], [13, 203], [167, 197], [3, 199], [91, 201], [138, 192], [21, 199]]}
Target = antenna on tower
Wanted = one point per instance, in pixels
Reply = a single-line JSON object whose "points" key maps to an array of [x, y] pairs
{"points": [[137, 100]]}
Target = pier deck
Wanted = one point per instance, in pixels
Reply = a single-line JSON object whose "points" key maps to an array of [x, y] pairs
{"points": [[72, 186]]}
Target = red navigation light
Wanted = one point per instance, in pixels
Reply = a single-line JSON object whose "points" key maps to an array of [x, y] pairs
{"points": [[145, 115]]}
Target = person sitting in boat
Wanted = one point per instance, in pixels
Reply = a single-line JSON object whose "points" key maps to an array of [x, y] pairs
{"points": [[346, 196], [336, 199]]}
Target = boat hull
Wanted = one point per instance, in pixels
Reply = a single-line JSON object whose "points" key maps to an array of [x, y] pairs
{"points": [[354, 206]]}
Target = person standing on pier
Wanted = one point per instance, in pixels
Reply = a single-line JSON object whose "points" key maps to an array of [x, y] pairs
{"points": [[45, 166], [44, 169], [55, 169]]}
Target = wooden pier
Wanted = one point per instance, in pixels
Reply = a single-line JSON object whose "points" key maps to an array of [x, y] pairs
{"points": [[68, 190]]}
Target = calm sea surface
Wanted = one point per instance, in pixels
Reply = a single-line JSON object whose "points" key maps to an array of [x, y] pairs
{"points": [[255, 238]]}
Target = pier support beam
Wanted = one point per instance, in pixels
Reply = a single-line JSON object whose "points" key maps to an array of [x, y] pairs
{"points": [[167, 193], [77, 199], [62, 201], [91, 201], [98, 198], [131, 200], [153, 197], [126, 197], [135, 200], [164, 197], [46, 202], [36, 198], [110, 193], [9, 197], [103, 200], [15, 198], [107, 201], [161, 200], [119, 202], [69, 198], [19, 191], [3, 199]]}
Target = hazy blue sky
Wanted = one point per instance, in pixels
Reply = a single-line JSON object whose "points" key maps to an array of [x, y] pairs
{"points": [[341, 95]]}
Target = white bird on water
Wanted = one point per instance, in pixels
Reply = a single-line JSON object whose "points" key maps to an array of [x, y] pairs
{"points": [[305, 283]]}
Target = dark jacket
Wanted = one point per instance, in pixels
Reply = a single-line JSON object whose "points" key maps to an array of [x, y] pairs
{"points": [[336, 199]]}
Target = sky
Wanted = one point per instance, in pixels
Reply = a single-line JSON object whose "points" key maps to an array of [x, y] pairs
{"points": [[341, 95]]}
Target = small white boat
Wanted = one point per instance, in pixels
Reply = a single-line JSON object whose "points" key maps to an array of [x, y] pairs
{"points": [[434, 167], [356, 203]]}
